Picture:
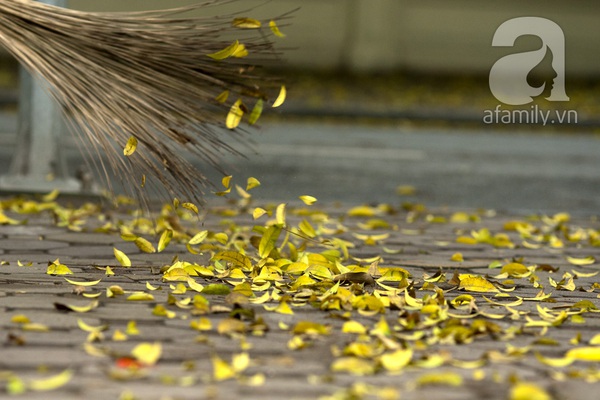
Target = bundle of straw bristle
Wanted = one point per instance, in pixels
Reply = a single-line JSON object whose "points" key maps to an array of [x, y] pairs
{"points": [[147, 88]]}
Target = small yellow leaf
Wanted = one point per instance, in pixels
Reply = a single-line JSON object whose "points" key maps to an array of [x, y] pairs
{"points": [[119, 336], [528, 391], [280, 98], [78, 283], [581, 261], [51, 196], [275, 29], [280, 214], [396, 361], [144, 245], [131, 146], [19, 319], [56, 268], [165, 239], [79, 309], [147, 353], [354, 327], [198, 238], [132, 328], [252, 183], [308, 200], [240, 362], [258, 212], [584, 354], [222, 370], [51, 383], [222, 98], [234, 117], [440, 378], [475, 283], [190, 206], [256, 112], [240, 51], [35, 327], [458, 257], [226, 52], [122, 257], [140, 296], [108, 271], [226, 181], [246, 23]]}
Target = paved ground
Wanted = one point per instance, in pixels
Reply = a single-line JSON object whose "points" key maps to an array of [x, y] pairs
{"points": [[444, 345]]}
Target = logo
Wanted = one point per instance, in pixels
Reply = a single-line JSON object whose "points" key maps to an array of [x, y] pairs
{"points": [[509, 75]]}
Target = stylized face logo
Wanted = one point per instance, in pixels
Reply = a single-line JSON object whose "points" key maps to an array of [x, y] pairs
{"points": [[509, 75]]}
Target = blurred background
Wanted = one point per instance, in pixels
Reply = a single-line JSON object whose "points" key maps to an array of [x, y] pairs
{"points": [[391, 93]]}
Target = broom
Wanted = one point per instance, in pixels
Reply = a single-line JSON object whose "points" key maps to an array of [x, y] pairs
{"points": [[148, 88]]}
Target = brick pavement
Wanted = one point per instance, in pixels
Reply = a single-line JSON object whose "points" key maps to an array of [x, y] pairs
{"points": [[490, 363]]}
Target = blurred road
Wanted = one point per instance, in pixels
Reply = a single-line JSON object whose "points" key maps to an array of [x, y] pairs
{"points": [[514, 171], [503, 170]]}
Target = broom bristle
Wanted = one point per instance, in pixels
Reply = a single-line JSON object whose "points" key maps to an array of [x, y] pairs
{"points": [[144, 75]]}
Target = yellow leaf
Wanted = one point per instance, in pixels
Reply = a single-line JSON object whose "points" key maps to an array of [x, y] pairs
{"points": [[275, 29], [354, 327], [396, 361], [353, 365], [91, 283], [234, 117], [226, 52], [258, 212], [122, 257], [268, 240], [528, 391], [198, 238], [514, 269], [190, 206], [240, 362], [51, 383], [280, 98], [308, 200], [246, 23], [584, 354], [140, 296], [222, 98], [581, 261], [256, 112], [307, 229], [119, 336], [108, 271], [226, 181], [252, 183], [240, 51], [280, 214], [458, 257], [194, 285], [132, 328], [440, 378], [222, 370], [19, 319], [56, 268], [362, 211], [235, 258], [35, 327], [554, 362], [144, 245], [147, 353], [81, 309], [311, 328], [131, 146], [51, 196], [165, 239], [202, 324], [475, 283]]}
